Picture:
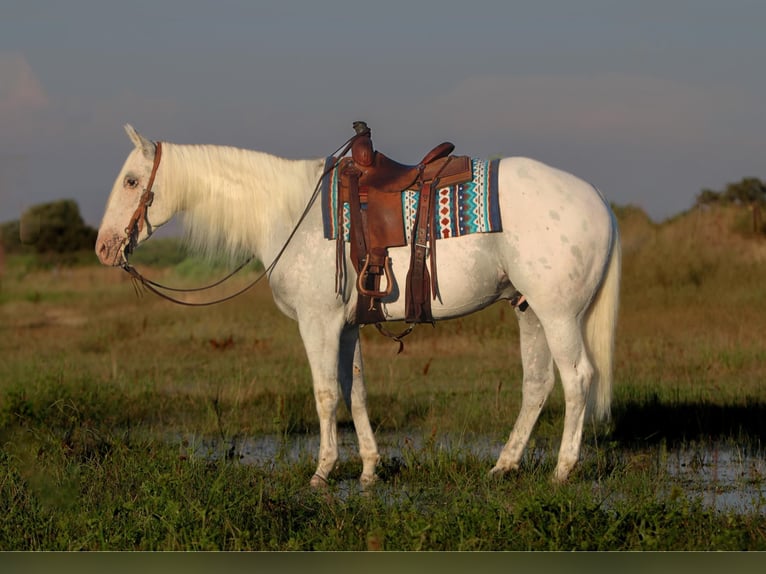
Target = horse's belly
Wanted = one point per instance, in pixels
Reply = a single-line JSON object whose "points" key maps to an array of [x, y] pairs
{"points": [[469, 277]]}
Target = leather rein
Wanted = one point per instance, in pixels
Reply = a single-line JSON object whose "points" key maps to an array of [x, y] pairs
{"points": [[139, 219]]}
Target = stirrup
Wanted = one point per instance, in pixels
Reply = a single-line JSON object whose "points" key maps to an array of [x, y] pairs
{"points": [[363, 275]]}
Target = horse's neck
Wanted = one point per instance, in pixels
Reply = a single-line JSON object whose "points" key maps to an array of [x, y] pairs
{"points": [[238, 202]]}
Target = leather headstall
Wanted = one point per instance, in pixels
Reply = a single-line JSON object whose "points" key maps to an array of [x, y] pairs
{"points": [[139, 218]]}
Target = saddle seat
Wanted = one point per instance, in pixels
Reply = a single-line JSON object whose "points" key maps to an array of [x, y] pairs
{"points": [[372, 184], [388, 176]]}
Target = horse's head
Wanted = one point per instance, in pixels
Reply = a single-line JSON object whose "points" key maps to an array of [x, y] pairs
{"points": [[135, 208]]}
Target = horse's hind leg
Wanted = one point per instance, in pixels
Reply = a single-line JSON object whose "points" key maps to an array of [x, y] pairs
{"points": [[565, 338], [351, 377], [538, 380]]}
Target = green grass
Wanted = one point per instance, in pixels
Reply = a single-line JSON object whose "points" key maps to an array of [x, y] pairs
{"points": [[126, 493], [97, 385]]}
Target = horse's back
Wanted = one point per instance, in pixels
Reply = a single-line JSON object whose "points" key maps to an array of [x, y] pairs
{"points": [[534, 193]]}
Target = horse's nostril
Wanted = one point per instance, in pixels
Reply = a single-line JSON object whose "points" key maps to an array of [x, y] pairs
{"points": [[103, 250]]}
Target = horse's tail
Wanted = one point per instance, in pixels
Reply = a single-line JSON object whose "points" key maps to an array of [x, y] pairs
{"points": [[600, 326]]}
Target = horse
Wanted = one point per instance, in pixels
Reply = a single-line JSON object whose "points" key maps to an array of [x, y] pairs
{"points": [[559, 247]]}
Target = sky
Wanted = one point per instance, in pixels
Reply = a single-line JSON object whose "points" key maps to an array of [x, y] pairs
{"points": [[649, 101]]}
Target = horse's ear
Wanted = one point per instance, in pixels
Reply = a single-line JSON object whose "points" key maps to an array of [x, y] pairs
{"points": [[147, 146]]}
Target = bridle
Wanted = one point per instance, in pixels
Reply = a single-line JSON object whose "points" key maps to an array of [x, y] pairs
{"points": [[139, 219]]}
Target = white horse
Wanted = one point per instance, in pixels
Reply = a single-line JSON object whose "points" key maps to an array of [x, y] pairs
{"points": [[559, 247]]}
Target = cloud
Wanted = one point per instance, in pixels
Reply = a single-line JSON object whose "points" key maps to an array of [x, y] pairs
{"points": [[20, 90]]}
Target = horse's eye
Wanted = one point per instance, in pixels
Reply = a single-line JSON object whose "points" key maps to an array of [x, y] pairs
{"points": [[131, 182]]}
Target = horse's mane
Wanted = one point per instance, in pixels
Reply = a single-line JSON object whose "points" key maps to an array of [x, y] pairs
{"points": [[235, 201]]}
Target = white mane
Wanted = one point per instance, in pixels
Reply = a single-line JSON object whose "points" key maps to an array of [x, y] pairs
{"points": [[234, 201]]}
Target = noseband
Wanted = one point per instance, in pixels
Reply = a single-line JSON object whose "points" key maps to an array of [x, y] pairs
{"points": [[139, 219]]}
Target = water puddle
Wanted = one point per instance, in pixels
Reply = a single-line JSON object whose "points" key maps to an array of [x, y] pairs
{"points": [[265, 449], [726, 478]]}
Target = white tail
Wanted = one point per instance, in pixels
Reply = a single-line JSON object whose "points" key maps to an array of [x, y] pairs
{"points": [[600, 325]]}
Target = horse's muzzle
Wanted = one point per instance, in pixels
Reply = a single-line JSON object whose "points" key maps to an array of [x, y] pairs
{"points": [[110, 250]]}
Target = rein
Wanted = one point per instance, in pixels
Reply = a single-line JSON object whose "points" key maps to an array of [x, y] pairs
{"points": [[139, 218]]}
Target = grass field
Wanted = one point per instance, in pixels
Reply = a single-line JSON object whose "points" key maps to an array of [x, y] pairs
{"points": [[104, 396]]}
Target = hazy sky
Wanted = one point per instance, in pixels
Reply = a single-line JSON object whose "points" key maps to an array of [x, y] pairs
{"points": [[649, 101]]}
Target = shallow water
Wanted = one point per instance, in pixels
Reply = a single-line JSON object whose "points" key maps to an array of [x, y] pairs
{"points": [[724, 477], [727, 478]]}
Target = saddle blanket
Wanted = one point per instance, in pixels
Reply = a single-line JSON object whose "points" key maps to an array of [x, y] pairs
{"points": [[470, 207]]}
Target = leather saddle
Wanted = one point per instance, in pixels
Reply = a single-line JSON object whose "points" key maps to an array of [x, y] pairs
{"points": [[372, 185]]}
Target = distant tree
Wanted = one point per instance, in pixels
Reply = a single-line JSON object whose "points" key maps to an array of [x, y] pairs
{"points": [[10, 237], [56, 227], [708, 197], [749, 192]]}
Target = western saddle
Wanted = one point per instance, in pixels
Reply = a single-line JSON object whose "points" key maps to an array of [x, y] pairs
{"points": [[372, 185]]}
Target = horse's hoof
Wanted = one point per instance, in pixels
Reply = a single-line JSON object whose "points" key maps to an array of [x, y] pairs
{"points": [[560, 477], [499, 472], [318, 482], [368, 481]]}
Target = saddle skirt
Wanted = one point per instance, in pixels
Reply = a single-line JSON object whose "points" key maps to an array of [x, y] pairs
{"points": [[461, 209]]}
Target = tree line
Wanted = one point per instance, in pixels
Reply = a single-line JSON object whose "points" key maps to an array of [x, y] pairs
{"points": [[54, 228], [749, 192]]}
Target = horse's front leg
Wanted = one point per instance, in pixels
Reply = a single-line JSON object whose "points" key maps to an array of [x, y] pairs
{"points": [[321, 339], [351, 377]]}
